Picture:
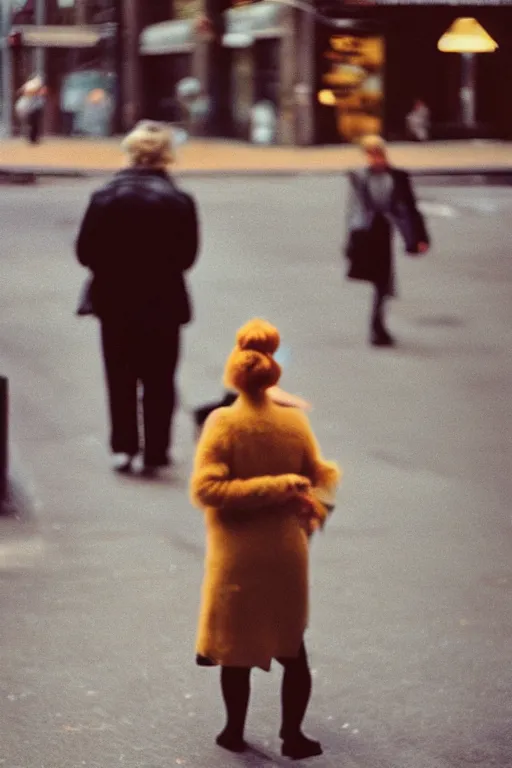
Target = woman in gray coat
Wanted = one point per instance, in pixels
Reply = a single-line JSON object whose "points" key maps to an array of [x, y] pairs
{"points": [[380, 198]]}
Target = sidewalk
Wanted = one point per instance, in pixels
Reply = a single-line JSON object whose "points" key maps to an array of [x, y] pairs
{"points": [[55, 156]]}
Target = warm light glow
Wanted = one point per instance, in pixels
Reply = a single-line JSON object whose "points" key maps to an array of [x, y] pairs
{"points": [[327, 98], [466, 35], [345, 75]]}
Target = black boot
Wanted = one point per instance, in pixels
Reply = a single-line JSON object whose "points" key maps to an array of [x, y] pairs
{"points": [[232, 741], [295, 694], [380, 337], [299, 747], [236, 689]]}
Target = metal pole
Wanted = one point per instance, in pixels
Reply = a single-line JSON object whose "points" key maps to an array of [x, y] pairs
{"points": [[219, 119], [467, 91], [4, 429], [40, 58], [6, 60], [305, 92], [131, 72]]}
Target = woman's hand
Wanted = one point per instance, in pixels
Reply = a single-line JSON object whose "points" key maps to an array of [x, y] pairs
{"points": [[297, 485], [312, 513], [307, 512]]}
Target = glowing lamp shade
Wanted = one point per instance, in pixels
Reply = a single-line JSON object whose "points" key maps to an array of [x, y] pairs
{"points": [[466, 35], [327, 98]]}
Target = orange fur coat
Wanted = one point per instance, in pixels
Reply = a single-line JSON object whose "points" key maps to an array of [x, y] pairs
{"points": [[251, 460]]}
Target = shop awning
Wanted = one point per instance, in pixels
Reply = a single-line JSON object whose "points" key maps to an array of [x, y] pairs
{"points": [[259, 20], [167, 37], [65, 36]]}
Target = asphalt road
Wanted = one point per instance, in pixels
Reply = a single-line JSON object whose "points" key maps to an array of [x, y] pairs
{"points": [[411, 630]]}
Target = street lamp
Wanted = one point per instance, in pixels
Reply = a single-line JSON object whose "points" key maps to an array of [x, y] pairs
{"points": [[467, 37]]}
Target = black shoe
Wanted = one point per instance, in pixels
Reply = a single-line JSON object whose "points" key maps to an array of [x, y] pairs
{"points": [[152, 469], [300, 747], [381, 338], [122, 463], [232, 742]]}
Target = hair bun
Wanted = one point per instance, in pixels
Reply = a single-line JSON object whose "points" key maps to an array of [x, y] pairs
{"points": [[251, 366], [258, 335]]}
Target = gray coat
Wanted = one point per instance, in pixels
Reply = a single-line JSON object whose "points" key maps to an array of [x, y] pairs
{"points": [[368, 244], [403, 211]]}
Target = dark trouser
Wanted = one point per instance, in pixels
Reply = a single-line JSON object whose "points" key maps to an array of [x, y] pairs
{"points": [[295, 693], [378, 322], [34, 125], [383, 276], [136, 355]]}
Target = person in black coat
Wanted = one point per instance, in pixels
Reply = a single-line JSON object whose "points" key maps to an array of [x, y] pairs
{"points": [[138, 237], [380, 198]]}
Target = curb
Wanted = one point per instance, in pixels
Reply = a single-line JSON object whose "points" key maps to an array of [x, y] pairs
{"points": [[17, 177], [30, 175]]}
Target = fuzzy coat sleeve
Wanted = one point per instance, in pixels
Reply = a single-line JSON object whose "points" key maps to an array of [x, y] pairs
{"points": [[324, 476], [213, 486]]}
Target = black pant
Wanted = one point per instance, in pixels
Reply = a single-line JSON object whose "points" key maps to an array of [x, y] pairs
{"points": [[34, 125], [378, 322], [137, 355]]}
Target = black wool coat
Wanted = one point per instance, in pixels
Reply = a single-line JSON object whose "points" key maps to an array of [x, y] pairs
{"points": [[368, 245], [139, 236]]}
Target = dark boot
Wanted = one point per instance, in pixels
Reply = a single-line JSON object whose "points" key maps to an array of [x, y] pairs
{"points": [[300, 748], [236, 689], [379, 335], [295, 694]]}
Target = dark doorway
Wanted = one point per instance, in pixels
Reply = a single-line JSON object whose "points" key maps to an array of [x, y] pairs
{"points": [[161, 75]]}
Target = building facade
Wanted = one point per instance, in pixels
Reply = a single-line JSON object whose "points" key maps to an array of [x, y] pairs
{"points": [[322, 72], [74, 45], [335, 73]]}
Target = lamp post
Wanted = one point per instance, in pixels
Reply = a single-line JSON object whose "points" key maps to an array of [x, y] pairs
{"points": [[40, 53], [467, 37], [218, 118]]}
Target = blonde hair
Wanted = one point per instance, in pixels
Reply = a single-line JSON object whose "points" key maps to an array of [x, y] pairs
{"points": [[33, 85], [373, 143], [149, 145], [251, 367]]}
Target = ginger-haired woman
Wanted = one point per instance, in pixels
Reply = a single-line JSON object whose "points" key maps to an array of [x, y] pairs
{"points": [[260, 478]]}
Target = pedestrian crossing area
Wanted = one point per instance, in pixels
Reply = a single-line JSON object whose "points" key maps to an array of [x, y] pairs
{"points": [[440, 210], [466, 205]]}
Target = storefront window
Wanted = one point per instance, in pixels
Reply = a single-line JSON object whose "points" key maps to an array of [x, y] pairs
{"points": [[87, 102], [350, 90], [267, 70]]}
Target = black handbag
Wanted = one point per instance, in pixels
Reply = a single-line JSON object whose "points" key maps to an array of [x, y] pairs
{"points": [[85, 300], [201, 413], [358, 252]]}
